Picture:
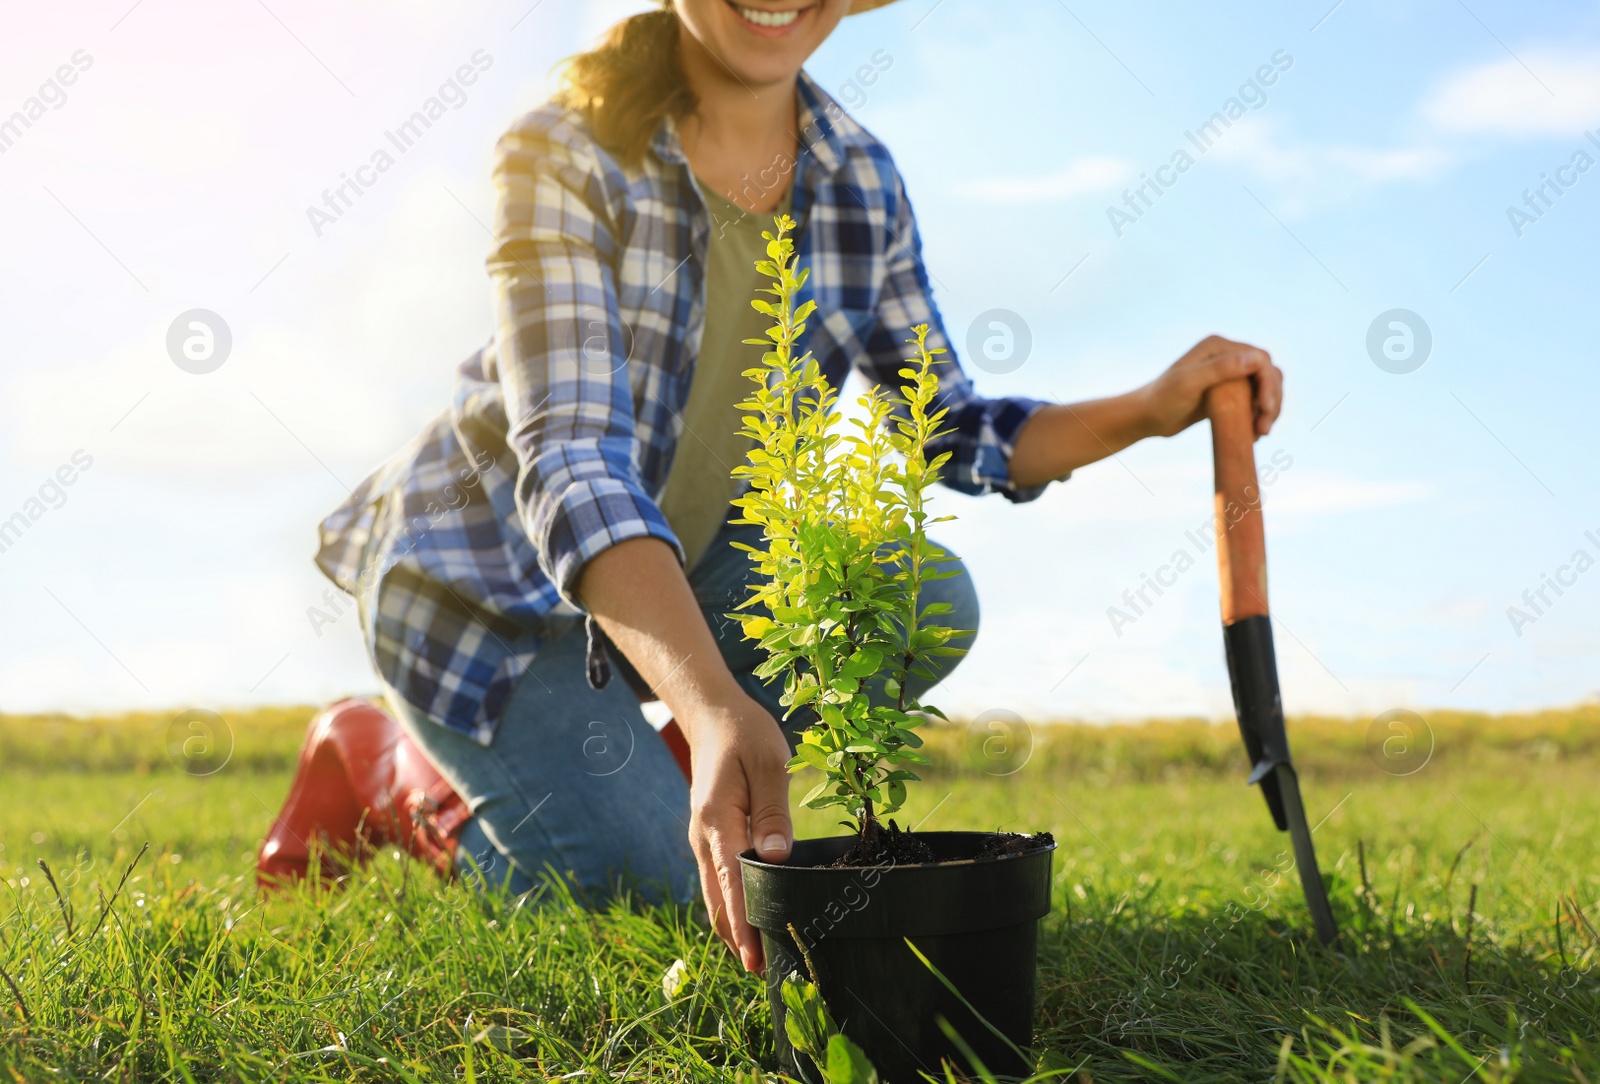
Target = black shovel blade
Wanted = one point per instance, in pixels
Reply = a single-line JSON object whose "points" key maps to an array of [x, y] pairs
{"points": [[1253, 671], [1305, 855]]}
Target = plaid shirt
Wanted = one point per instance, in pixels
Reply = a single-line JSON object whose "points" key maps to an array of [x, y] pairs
{"points": [[562, 429]]}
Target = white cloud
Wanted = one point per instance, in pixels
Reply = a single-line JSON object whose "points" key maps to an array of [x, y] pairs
{"points": [[366, 352], [1556, 93], [1086, 175], [1320, 173]]}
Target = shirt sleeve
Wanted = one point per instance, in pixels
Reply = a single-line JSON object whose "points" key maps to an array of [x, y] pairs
{"points": [[983, 432], [563, 357]]}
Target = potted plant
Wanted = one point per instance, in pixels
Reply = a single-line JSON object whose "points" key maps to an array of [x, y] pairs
{"points": [[897, 930]]}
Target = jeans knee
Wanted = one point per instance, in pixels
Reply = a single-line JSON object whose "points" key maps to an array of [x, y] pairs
{"points": [[481, 864], [959, 592], [956, 591]]}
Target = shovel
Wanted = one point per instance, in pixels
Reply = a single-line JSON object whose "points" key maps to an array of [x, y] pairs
{"points": [[1247, 634]]}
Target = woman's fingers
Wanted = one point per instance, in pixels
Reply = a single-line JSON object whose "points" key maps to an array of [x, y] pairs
{"points": [[1222, 359], [711, 889], [725, 849], [1269, 398], [740, 799], [1266, 381], [721, 879], [1234, 360], [771, 832]]}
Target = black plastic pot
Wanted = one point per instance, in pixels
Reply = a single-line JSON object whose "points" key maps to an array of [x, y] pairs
{"points": [[977, 921]]}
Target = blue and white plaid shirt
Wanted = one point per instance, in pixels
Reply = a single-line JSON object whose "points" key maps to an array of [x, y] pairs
{"points": [[562, 429]]}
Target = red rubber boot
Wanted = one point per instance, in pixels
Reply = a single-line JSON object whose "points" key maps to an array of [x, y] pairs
{"points": [[678, 744], [362, 784]]}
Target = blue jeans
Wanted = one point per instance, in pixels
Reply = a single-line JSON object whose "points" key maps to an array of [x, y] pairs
{"points": [[577, 782]]}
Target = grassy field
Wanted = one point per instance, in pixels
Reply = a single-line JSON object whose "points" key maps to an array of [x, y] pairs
{"points": [[1469, 895]]}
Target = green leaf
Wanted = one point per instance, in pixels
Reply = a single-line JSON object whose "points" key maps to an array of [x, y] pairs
{"points": [[897, 795], [806, 1021], [848, 1064], [863, 663], [757, 627], [813, 755], [815, 793]]}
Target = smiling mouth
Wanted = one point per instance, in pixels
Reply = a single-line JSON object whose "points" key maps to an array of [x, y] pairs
{"points": [[767, 20]]}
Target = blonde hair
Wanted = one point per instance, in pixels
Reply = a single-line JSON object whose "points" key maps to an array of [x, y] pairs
{"points": [[628, 84]]}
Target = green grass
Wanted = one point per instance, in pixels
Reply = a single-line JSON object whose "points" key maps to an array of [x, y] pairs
{"points": [[1174, 951]]}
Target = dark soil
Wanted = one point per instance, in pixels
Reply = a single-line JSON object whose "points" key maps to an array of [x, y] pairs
{"points": [[893, 846], [1003, 843], [879, 846]]}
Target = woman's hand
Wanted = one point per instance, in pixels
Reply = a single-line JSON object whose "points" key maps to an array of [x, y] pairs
{"points": [[1176, 399], [1060, 438], [740, 793], [739, 799]]}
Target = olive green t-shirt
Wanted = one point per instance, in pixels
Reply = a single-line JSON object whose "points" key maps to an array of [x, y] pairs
{"points": [[700, 484]]}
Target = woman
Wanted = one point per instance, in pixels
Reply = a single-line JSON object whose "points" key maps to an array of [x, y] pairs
{"points": [[568, 512]]}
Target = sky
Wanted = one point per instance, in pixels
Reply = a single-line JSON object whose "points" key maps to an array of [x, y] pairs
{"points": [[1366, 213]]}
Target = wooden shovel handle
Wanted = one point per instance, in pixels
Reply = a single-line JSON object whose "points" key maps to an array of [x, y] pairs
{"points": [[1241, 536]]}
